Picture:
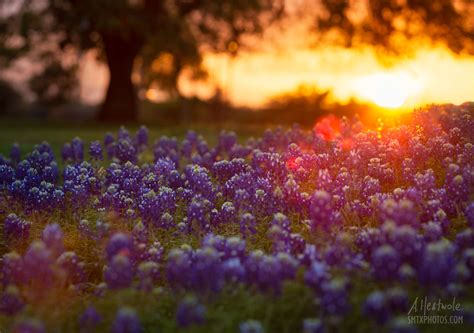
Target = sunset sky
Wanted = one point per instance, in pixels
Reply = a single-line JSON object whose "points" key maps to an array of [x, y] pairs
{"points": [[288, 57], [433, 75]]}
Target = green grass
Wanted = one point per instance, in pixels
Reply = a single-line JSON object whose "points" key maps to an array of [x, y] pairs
{"points": [[29, 133]]}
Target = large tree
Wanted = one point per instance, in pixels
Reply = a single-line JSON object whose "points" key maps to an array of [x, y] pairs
{"points": [[130, 33]]}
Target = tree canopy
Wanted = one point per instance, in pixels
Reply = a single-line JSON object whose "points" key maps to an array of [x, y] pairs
{"points": [[132, 34], [393, 24]]}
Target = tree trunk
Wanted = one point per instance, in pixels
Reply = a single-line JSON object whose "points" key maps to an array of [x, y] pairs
{"points": [[120, 104]]}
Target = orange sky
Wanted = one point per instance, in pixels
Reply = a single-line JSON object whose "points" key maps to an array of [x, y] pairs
{"points": [[286, 60], [433, 75]]}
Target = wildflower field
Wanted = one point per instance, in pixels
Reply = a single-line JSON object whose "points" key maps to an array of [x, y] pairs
{"points": [[338, 228]]}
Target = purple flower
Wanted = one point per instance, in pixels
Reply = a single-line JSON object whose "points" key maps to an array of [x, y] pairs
{"points": [[10, 301], [37, 264], [376, 308], [397, 299], [12, 269], [385, 263], [7, 176], [119, 243], [16, 228], [53, 238], [95, 151], [402, 213], [251, 326], [89, 320], [71, 266], [190, 312], [141, 137], [126, 321], [316, 275], [335, 298], [119, 272], [469, 213], [437, 264], [321, 210], [15, 153], [148, 274]]}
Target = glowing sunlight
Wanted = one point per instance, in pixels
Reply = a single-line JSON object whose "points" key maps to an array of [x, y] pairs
{"points": [[388, 90]]}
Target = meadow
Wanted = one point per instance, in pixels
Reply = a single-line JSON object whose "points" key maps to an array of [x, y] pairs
{"points": [[336, 228]]}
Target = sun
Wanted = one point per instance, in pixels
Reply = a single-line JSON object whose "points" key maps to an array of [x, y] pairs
{"points": [[387, 90]]}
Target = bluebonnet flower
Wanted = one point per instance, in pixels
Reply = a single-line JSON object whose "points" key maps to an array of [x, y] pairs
{"points": [[432, 231], [425, 181], [15, 153], [109, 144], [317, 275], [465, 238], [53, 238], [247, 224], [67, 153], [16, 228], [224, 170], [199, 211], [376, 307], [126, 321], [469, 213], [437, 264], [402, 213], [251, 326], [227, 214], [72, 267], [206, 272], [153, 205], [190, 312], [89, 320], [37, 264], [368, 240], [7, 176], [198, 180], [80, 183], [234, 270], [334, 299], [397, 299], [178, 266], [321, 210], [370, 186], [468, 260], [140, 233], [226, 140], [141, 137], [405, 240], [148, 274], [95, 151], [125, 151], [77, 146], [12, 269], [268, 272], [119, 243], [235, 247], [10, 301], [119, 272], [385, 263]]}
